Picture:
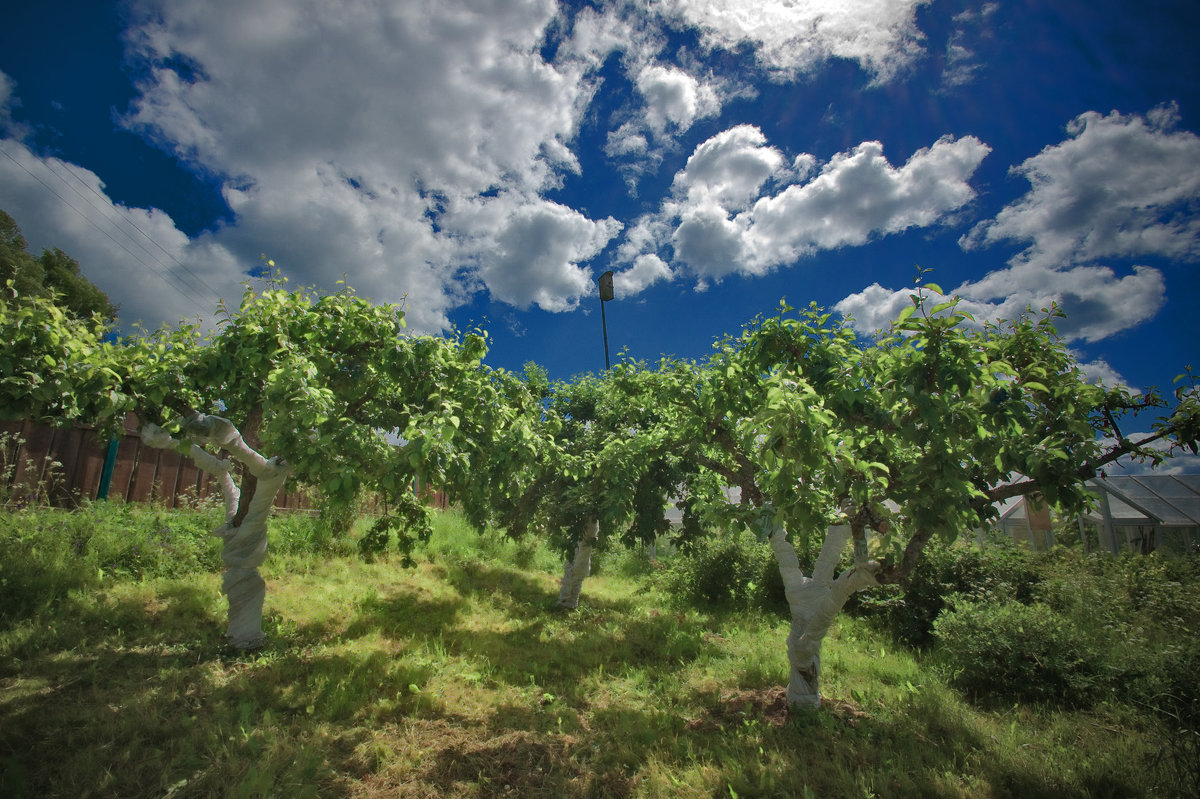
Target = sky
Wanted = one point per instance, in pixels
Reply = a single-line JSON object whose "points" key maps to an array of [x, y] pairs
{"points": [[484, 162]]}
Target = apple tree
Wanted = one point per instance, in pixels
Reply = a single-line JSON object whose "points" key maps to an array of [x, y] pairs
{"points": [[326, 388], [863, 451]]}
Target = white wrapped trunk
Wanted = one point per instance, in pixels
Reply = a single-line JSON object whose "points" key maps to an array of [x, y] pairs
{"points": [[814, 603], [245, 542], [577, 569]]}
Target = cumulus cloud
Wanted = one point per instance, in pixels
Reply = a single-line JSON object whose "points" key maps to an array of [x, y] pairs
{"points": [[1097, 301], [363, 138], [1120, 187], [729, 169], [859, 194], [793, 36], [719, 221], [787, 38], [876, 308], [534, 249], [135, 255], [672, 101], [674, 98], [647, 270], [413, 145]]}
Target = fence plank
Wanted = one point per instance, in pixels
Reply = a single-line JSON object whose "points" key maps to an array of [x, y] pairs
{"points": [[122, 477], [92, 452], [144, 471], [66, 450], [33, 460], [166, 479]]}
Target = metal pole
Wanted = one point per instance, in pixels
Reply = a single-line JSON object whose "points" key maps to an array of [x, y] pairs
{"points": [[106, 473], [604, 325], [606, 293]]}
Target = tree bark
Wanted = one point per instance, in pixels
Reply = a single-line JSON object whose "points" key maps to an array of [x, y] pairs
{"points": [[244, 532], [580, 567], [814, 603]]}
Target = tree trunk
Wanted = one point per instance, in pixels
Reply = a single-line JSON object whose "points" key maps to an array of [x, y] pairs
{"points": [[814, 603], [580, 567], [244, 532]]}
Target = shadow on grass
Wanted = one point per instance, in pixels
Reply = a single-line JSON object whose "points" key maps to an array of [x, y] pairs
{"points": [[517, 763], [125, 698], [129, 715]]}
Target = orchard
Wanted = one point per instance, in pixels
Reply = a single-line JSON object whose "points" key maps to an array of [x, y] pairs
{"points": [[860, 451]]}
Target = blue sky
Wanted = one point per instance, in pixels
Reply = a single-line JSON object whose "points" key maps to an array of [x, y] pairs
{"points": [[488, 160]]}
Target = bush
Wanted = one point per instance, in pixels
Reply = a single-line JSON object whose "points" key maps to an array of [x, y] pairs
{"points": [[1172, 693], [1009, 651], [733, 572], [46, 554], [995, 575], [1145, 599]]}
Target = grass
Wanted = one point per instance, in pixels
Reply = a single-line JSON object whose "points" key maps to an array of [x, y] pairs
{"points": [[458, 678]]}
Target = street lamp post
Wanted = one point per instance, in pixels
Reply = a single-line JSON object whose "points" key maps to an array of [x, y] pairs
{"points": [[606, 294]]}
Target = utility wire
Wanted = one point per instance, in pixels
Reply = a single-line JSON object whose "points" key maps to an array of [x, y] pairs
{"points": [[108, 202], [178, 286]]}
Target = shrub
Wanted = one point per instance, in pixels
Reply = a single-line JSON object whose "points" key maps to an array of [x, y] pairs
{"points": [[456, 540], [957, 569], [1150, 599], [1172, 693], [46, 554], [1009, 651], [733, 572]]}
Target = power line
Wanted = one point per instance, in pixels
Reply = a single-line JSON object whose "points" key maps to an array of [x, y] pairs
{"points": [[162, 274], [107, 202]]}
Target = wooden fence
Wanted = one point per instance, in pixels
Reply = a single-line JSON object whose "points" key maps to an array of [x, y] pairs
{"points": [[62, 466]]}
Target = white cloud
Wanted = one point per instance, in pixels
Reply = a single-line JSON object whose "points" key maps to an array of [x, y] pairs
{"points": [[135, 255], [627, 140], [410, 145], [1097, 302], [792, 36], [534, 250], [730, 168], [859, 194], [361, 138], [874, 308], [1100, 371], [961, 64], [1120, 186], [647, 270], [674, 98], [720, 227]]}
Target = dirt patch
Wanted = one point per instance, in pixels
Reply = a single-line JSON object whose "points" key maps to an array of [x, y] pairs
{"points": [[766, 704], [514, 764]]}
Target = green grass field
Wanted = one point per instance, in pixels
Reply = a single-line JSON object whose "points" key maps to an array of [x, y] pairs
{"points": [[458, 678]]}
